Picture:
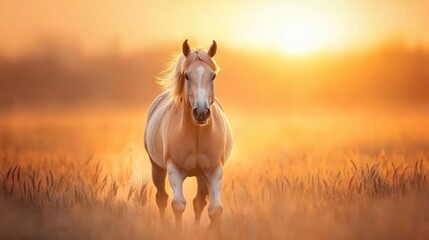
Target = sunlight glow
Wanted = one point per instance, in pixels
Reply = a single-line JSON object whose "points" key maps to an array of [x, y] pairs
{"points": [[288, 26], [298, 31], [308, 30], [299, 39]]}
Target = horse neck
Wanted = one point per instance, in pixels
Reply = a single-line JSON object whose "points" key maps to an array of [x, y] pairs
{"points": [[185, 112]]}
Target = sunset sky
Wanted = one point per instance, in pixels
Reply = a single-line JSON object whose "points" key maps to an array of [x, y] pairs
{"points": [[293, 27]]}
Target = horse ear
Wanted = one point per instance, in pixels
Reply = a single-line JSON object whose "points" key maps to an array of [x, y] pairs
{"points": [[186, 49], [213, 49]]}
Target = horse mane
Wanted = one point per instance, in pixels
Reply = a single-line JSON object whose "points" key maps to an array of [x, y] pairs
{"points": [[172, 78]]}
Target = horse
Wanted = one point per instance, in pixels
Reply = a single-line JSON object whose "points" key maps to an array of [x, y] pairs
{"points": [[188, 134]]}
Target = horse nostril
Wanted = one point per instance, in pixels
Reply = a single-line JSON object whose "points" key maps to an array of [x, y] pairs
{"points": [[201, 114]]}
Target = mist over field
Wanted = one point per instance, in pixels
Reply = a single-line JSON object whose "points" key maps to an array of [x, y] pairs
{"points": [[388, 77]]}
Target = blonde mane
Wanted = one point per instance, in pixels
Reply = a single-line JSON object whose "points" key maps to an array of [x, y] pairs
{"points": [[172, 79]]}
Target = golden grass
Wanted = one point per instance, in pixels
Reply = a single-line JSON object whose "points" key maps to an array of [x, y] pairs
{"points": [[279, 184]]}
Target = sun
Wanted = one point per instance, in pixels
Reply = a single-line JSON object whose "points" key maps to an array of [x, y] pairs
{"points": [[307, 31], [292, 30], [300, 38]]}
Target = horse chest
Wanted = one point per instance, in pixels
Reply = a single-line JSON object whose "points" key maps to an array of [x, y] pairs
{"points": [[196, 148]]}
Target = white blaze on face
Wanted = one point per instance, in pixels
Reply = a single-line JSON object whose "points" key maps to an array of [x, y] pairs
{"points": [[201, 99], [201, 92], [200, 71]]}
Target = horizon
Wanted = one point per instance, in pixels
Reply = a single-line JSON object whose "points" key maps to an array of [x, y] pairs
{"points": [[53, 46]]}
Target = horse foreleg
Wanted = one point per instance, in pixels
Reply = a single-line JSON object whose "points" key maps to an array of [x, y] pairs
{"points": [[200, 199], [158, 177], [176, 177], [214, 180]]}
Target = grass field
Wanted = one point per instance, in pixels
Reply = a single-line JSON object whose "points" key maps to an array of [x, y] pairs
{"points": [[296, 175]]}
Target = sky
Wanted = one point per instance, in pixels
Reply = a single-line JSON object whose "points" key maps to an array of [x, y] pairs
{"points": [[293, 27]]}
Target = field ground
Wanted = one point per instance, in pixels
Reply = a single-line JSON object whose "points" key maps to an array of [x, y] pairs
{"points": [[296, 175]]}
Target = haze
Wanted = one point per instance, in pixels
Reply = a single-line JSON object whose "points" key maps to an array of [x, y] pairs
{"points": [[291, 27]]}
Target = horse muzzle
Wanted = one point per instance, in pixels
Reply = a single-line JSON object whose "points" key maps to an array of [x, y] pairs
{"points": [[201, 115]]}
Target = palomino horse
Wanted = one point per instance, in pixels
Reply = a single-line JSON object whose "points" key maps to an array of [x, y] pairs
{"points": [[187, 133]]}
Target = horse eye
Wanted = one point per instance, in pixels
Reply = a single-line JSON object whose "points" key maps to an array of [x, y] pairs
{"points": [[187, 77], [214, 76]]}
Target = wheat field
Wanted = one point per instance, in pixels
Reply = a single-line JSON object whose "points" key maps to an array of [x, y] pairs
{"points": [[86, 176]]}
